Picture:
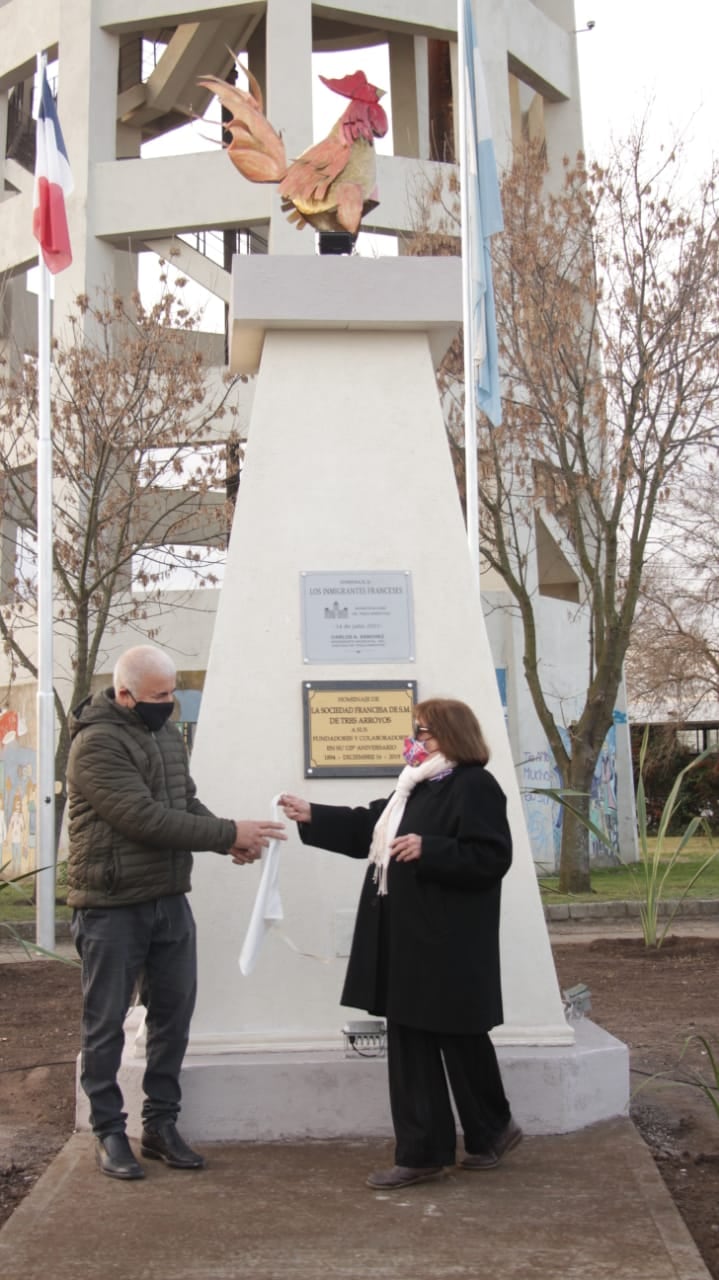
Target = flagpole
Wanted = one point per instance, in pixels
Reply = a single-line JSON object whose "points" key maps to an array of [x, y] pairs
{"points": [[45, 853], [470, 337]]}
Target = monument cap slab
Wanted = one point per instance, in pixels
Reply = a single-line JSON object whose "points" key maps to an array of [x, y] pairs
{"points": [[277, 292]]}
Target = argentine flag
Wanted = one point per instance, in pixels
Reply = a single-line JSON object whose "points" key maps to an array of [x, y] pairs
{"points": [[484, 216]]}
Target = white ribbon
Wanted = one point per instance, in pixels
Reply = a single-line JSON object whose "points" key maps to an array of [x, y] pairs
{"points": [[267, 909]]}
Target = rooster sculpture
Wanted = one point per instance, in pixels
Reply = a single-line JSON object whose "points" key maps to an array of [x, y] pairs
{"points": [[332, 185]]}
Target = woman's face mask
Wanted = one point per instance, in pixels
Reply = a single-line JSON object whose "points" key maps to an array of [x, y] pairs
{"points": [[414, 752]]}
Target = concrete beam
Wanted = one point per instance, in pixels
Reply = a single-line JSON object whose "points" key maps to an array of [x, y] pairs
{"points": [[434, 18], [179, 193], [19, 177], [399, 180], [131, 15], [25, 28], [541, 54], [181, 517], [193, 192], [196, 48], [425, 17], [208, 274], [18, 246]]}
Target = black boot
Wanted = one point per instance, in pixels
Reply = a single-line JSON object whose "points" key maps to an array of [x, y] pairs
{"points": [[165, 1143], [115, 1158]]}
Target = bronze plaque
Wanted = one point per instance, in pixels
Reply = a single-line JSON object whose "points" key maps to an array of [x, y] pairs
{"points": [[356, 728]]}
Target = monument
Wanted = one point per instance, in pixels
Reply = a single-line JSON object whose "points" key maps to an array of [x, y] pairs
{"points": [[348, 478], [348, 594]]}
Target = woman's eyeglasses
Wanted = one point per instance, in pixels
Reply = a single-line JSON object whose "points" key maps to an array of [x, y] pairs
{"points": [[420, 729]]}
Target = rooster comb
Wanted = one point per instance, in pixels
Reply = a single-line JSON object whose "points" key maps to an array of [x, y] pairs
{"points": [[356, 86]]}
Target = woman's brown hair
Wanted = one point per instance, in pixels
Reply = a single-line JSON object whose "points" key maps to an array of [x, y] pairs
{"points": [[456, 729]]}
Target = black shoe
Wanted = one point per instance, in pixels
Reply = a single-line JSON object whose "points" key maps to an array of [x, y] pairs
{"points": [[506, 1141], [402, 1176], [115, 1158], [165, 1143]]}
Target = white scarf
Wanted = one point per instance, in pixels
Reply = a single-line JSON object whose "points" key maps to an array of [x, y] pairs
{"points": [[386, 825]]}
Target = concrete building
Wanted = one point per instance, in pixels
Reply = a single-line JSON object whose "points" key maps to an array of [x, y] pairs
{"points": [[126, 77]]}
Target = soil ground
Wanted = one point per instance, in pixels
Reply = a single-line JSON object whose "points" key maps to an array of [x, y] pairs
{"points": [[654, 1001]]}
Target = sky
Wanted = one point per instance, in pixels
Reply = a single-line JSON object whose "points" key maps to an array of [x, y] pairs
{"points": [[656, 55]]}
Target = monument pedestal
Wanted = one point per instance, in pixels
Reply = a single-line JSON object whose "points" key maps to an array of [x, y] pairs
{"points": [[279, 1094], [347, 471]]}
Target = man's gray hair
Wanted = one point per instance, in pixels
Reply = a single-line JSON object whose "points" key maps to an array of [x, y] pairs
{"points": [[142, 660]]}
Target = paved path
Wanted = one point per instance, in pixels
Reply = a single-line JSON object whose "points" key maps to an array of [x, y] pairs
{"points": [[584, 1206]]}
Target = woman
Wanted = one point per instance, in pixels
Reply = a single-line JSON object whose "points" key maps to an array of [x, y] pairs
{"points": [[425, 952]]}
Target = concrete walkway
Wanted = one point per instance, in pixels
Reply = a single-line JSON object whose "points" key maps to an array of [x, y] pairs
{"points": [[585, 1206]]}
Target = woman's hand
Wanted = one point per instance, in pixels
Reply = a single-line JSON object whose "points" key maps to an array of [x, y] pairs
{"points": [[406, 848], [297, 809]]}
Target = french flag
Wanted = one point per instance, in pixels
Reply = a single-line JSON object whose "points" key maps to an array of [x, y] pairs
{"points": [[53, 182]]}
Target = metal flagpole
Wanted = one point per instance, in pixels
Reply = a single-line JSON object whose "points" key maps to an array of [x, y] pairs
{"points": [[45, 854], [470, 337]]}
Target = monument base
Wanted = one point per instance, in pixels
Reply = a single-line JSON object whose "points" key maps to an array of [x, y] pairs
{"points": [[268, 1096]]}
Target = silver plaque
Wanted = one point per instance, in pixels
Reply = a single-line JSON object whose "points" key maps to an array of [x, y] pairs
{"points": [[362, 616]]}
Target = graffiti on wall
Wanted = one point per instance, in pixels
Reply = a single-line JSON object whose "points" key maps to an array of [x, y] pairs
{"points": [[539, 774], [18, 796]]}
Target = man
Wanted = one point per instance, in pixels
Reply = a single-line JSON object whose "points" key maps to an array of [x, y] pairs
{"points": [[134, 818]]}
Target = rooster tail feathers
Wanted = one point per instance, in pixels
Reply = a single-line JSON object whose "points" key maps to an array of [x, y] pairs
{"points": [[255, 89], [256, 149]]}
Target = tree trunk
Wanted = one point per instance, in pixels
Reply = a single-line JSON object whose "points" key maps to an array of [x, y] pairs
{"points": [[574, 870]]}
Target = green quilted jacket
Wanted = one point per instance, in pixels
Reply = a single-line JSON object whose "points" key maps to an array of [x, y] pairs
{"points": [[134, 816]]}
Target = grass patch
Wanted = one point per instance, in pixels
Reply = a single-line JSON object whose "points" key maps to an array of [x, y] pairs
{"points": [[14, 910], [17, 906], [624, 883]]}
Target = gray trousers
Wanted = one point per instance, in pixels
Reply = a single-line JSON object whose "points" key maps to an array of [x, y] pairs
{"points": [[150, 946]]}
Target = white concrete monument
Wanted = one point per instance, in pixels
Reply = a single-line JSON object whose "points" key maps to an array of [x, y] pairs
{"points": [[347, 474]]}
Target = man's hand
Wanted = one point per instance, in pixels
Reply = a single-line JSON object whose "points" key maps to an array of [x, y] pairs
{"points": [[252, 837], [241, 856]]}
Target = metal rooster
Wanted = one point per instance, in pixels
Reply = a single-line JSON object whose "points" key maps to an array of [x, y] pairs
{"points": [[332, 185]]}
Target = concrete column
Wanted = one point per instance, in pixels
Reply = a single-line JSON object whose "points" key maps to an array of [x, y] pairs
{"points": [[289, 104], [128, 146], [492, 23], [405, 107], [3, 140], [421, 72], [87, 105]]}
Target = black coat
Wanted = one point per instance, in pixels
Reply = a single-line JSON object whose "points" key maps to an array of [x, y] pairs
{"points": [[426, 955]]}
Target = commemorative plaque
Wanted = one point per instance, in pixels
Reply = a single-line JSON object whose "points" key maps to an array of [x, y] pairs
{"points": [[356, 728], [357, 617]]}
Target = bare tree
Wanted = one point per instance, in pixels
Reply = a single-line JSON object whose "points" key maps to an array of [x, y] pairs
{"points": [[673, 657], [140, 476], [607, 305]]}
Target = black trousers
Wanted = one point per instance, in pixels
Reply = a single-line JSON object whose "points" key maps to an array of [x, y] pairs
{"points": [[420, 1064], [150, 946]]}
